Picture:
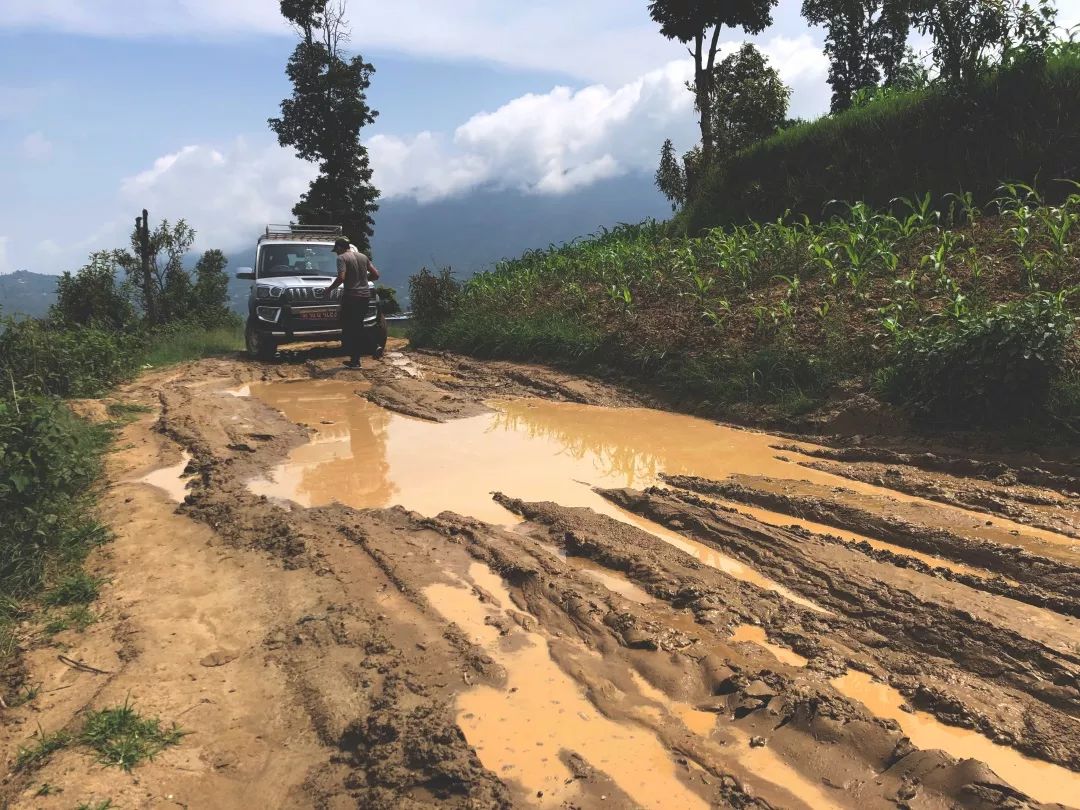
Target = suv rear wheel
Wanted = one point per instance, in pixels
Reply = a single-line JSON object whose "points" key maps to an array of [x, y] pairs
{"points": [[259, 345], [375, 337]]}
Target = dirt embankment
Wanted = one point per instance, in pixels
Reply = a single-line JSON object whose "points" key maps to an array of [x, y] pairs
{"points": [[655, 648]]}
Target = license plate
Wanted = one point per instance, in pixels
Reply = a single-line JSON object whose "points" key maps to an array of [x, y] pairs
{"points": [[320, 314]]}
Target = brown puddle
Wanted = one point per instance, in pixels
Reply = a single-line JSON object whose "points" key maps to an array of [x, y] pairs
{"points": [[365, 456], [1042, 781], [519, 732], [171, 479]]}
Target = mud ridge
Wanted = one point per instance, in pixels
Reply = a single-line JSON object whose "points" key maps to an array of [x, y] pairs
{"points": [[1048, 583], [1065, 482], [814, 569]]}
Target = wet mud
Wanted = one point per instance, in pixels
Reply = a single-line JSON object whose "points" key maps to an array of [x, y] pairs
{"points": [[495, 585]]}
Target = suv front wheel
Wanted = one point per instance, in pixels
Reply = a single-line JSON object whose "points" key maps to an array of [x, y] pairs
{"points": [[260, 346]]}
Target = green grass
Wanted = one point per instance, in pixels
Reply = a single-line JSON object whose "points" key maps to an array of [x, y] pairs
{"points": [[125, 412], [77, 588], [123, 738], [119, 736], [769, 320], [104, 804], [76, 618], [40, 748], [182, 345]]}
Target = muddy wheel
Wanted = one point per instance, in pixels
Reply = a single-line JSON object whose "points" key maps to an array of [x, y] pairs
{"points": [[375, 337], [259, 346]]}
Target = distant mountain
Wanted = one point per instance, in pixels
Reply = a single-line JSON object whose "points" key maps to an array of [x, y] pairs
{"points": [[467, 233], [26, 293]]}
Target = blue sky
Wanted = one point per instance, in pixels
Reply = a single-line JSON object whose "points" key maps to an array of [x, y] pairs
{"points": [[109, 105]]}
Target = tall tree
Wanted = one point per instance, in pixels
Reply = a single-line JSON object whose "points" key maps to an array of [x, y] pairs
{"points": [[747, 102], [699, 22], [323, 118], [210, 295], [865, 42], [170, 285], [671, 176]]}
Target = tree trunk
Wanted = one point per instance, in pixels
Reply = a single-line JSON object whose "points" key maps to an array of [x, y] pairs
{"points": [[142, 227]]}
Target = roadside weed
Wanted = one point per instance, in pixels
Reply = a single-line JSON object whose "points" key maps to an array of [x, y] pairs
{"points": [[78, 588], [123, 738], [40, 748]]}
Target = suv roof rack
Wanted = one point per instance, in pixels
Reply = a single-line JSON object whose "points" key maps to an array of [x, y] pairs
{"points": [[308, 233]]}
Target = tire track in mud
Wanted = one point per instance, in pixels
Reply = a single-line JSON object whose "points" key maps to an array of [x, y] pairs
{"points": [[1037, 580], [1043, 664], [743, 685], [1062, 477], [830, 643], [1028, 496]]}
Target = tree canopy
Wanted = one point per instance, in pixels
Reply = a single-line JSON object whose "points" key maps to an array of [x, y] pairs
{"points": [[323, 118], [700, 22], [865, 42]]}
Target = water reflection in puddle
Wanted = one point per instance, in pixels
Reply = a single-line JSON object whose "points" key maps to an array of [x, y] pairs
{"points": [[1042, 781], [519, 732], [171, 479], [364, 456]]}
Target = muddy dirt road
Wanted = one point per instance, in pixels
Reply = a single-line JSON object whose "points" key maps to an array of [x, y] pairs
{"points": [[441, 582]]}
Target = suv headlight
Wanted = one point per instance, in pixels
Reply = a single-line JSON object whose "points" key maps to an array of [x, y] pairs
{"points": [[267, 291], [268, 314]]}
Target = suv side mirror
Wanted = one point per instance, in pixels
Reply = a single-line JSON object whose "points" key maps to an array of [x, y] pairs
{"points": [[246, 273]]}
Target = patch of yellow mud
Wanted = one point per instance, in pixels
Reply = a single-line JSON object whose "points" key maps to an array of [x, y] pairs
{"points": [[520, 732], [1043, 781], [242, 391], [756, 635], [171, 479]]}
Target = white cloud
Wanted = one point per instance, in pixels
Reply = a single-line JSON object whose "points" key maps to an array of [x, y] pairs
{"points": [[226, 194], [548, 143], [36, 146]]}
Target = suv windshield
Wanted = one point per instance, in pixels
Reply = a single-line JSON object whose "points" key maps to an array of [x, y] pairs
{"points": [[297, 260]]}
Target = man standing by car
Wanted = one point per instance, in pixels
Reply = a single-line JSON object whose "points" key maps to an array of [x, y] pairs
{"points": [[353, 271]]}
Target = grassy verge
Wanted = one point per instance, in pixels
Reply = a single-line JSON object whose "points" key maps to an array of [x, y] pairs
{"points": [[182, 345], [50, 461]]}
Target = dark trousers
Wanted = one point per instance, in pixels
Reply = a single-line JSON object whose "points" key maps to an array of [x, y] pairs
{"points": [[353, 311]]}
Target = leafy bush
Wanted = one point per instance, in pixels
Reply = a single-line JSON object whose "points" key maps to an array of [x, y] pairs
{"points": [[82, 361], [1024, 119], [983, 368], [49, 458], [433, 296]]}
